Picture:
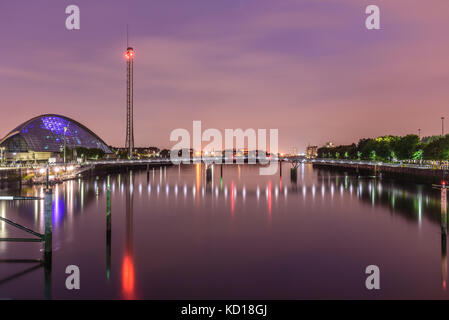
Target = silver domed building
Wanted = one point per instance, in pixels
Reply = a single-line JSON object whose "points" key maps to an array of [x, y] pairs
{"points": [[42, 137]]}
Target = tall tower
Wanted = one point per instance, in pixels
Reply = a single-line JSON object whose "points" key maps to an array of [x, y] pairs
{"points": [[129, 55]]}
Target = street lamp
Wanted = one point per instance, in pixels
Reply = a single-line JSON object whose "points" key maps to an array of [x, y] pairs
{"points": [[442, 126], [65, 130], [2, 149]]}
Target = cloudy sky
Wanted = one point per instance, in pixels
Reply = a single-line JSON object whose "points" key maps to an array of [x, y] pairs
{"points": [[307, 67]]}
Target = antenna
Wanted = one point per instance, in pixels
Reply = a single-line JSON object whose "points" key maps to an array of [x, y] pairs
{"points": [[127, 36]]}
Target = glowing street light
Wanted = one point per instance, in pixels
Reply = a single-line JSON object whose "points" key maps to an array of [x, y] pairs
{"points": [[2, 155], [65, 130], [442, 126]]}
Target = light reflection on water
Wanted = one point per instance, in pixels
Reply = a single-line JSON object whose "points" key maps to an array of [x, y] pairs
{"points": [[181, 232]]}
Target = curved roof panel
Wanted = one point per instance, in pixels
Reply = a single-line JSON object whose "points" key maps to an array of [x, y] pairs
{"points": [[46, 134]]}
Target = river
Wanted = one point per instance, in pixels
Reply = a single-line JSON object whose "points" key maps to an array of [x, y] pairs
{"points": [[176, 234]]}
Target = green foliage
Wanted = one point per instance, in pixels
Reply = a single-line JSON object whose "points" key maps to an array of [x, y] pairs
{"points": [[418, 155], [392, 148], [406, 146], [437, 149]]}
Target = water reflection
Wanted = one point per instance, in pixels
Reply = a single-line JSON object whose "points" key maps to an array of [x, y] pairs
{"points": [[444, 237], [128, 275], [108, 229], [412, 202], [237, 197]]}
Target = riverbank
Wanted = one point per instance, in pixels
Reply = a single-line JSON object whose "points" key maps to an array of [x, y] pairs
{"points": [[397, 171], [37, 176]]}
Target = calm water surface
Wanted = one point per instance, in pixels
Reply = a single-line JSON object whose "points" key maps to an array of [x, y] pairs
{"points": [[177, 235]]}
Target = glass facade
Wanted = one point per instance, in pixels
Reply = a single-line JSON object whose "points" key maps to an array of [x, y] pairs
{"points": [[47, 133]]}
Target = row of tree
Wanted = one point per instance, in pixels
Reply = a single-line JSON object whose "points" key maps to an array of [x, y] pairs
{"points": [[141, 153], [391, 148]]}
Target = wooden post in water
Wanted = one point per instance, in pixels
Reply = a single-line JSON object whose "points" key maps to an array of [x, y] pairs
{"points": [[47, 275], [48, 238], [148, 172], [108, 230], [209, 173], [444, 236], [294, 175], [47, 177], [444, 210], [280, 168]]}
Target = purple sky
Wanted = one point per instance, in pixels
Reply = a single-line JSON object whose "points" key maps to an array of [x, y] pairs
{"points": [[307, 67]]}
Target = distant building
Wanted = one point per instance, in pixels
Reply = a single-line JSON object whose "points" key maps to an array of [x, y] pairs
{"points": [[295, 152], [329, 145], [312, 152]]}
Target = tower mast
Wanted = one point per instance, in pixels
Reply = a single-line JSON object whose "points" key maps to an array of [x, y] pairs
{"points": [[129, 55]]}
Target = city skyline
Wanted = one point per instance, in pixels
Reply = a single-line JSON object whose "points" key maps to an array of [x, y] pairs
{"points": [[310, 69]]}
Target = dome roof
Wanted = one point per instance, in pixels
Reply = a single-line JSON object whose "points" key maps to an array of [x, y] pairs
{"points": [[46, 134]]}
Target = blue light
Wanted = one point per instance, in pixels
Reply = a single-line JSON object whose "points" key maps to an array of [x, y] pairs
{"points": [[55, 124]]}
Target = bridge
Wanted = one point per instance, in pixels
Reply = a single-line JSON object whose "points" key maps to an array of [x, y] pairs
{"points": [[61, 171]]}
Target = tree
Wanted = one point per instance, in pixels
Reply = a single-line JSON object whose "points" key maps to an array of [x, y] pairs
{"points": [[165, 153], [437, 149], [406, 146], [418, 155]]}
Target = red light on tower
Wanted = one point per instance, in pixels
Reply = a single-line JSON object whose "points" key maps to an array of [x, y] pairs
{"points": [[129, 54]]}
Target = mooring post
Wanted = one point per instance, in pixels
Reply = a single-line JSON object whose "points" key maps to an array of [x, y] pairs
{"points": [[209, 173], [444, 210], [148, 172], [280, 168], [48, 237], [294, 174], [48, 240], [47, 177], [108, 230], [47, 274], [444, 234]]}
